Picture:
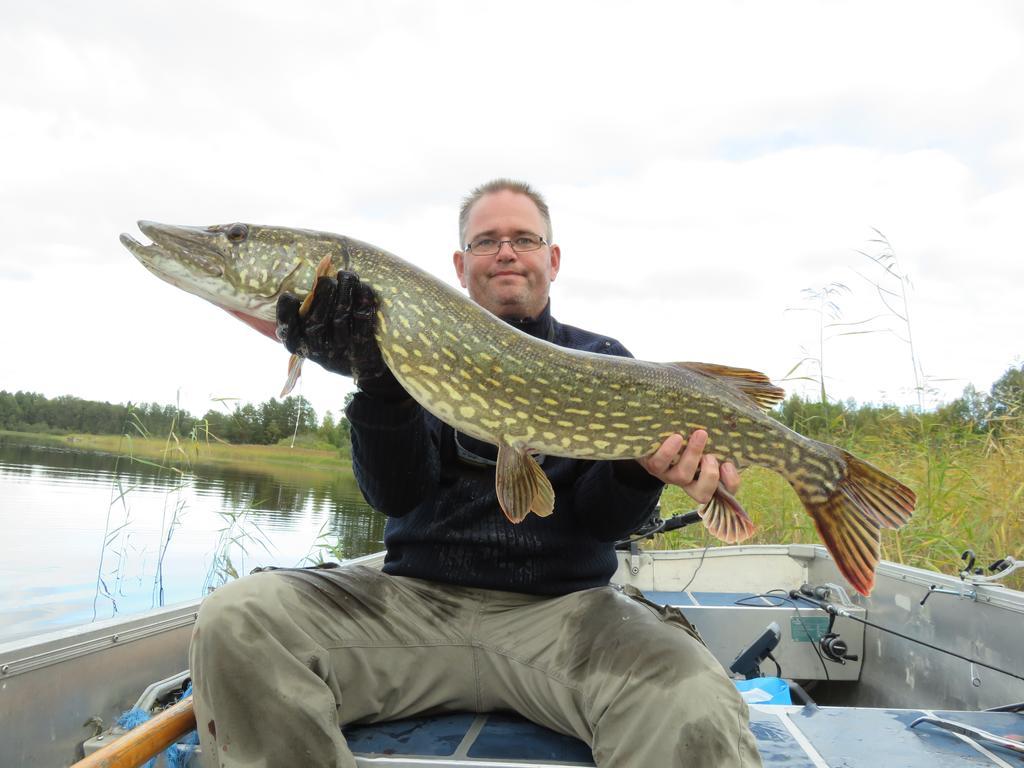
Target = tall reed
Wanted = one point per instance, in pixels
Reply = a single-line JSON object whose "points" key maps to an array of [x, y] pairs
{"points": [[970, 485]]}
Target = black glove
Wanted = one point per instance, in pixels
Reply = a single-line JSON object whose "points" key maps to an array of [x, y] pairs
{"points": [[338, 333]]}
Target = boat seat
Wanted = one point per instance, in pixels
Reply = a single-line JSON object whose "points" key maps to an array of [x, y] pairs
{"points": [[787, 737], [497, 736], [490, 736]]}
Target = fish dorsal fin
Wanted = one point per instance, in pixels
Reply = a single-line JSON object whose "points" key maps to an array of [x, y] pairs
{"points": [[753, 384]]}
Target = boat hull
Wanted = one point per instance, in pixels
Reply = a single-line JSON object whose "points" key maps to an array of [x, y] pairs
{"points": [[53, 684]]}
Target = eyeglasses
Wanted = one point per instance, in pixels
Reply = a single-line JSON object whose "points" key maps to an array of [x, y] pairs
{"points": [[488, 246]]}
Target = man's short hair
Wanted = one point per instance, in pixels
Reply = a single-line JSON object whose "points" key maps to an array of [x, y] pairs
{"points": [[500, 185]]}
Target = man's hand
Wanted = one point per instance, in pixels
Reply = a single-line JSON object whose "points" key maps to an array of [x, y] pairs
{"points": [[338, 332], [675, 465]]}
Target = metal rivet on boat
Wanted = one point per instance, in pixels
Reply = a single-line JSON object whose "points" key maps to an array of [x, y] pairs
{"points": [[5, 669], [115, 638]]}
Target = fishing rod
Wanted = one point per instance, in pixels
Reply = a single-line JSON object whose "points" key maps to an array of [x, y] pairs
{"points": [[814, 597], [836, 651], [657, 524]]}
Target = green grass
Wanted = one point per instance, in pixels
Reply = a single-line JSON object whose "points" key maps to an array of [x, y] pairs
{"points": [[184, 452], [970, 491]]}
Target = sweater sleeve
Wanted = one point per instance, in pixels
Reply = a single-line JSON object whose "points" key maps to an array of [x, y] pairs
{"points": [[395, 456]]}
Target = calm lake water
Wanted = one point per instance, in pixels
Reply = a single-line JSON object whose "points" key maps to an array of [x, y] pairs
{"points": [[86, 536]]}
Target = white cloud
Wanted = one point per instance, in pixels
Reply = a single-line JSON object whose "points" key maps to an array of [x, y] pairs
{"points": [[703, 165]]}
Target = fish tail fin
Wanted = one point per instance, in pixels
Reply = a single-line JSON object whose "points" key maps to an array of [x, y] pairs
{"points": [[294, 371], [849, 520], [725, 518]]}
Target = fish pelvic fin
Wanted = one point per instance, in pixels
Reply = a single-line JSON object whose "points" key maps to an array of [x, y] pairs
{"points": [[521, 485], [725, 518], [294, 371], [865, 501], [754, 385]]}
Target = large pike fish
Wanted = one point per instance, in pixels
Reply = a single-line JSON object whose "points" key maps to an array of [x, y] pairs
{"points": [[525, 395]]}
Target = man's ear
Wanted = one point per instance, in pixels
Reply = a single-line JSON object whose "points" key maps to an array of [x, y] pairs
{"points": [[556, 261], [460, 267]]}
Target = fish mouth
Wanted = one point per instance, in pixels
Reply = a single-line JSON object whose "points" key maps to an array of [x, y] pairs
{"points": [[189, 246], [190, 258]]}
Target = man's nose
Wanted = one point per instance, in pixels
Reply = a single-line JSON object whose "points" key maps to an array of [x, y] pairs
{"points": [[505, 251]]}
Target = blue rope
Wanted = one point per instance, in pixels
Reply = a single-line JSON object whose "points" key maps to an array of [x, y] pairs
{"points": [[177, 754], [133, 718]]}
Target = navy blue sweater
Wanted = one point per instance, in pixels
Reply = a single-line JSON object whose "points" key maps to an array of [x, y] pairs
{"points": [[444, 523]]}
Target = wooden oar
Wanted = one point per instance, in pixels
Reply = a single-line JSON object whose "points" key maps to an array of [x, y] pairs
{"points": [[146, 740]]}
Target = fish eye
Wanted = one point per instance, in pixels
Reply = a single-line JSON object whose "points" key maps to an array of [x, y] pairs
{"points": [[236, 233]]}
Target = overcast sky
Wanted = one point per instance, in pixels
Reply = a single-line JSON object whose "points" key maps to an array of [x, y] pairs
{"points": [[704, 164]]}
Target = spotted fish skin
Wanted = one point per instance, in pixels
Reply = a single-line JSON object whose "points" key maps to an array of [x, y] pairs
{"points": [[525, 395]]}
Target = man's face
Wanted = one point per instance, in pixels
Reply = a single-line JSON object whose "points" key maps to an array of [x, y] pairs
{"points": [[509, 284]]}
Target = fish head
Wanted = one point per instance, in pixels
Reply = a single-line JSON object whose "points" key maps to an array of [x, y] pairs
{"points": [[242, 268]]}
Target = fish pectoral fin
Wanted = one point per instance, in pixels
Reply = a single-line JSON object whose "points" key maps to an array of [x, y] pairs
{"points": [[521, 485], [753, 384], [725, 518], [294, 371], [323, 269], [295, 362]]}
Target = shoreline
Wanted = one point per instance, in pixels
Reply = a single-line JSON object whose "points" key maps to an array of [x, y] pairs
{"points": [[184, 452]]}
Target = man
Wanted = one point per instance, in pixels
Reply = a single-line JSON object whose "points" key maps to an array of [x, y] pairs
{"points": [[471, 613]]}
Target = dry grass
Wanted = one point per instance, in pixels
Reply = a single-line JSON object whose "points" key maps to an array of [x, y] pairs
{"points": [[175, 451], [970, 492]]}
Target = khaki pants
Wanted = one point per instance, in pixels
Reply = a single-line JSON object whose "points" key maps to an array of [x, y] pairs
{"points": [[281, 658]]}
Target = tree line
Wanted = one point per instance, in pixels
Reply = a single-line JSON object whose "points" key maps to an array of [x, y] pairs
{"points": [[266, 423], [998, 411]]}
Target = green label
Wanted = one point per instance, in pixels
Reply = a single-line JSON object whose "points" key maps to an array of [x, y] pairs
{"points": [[808, 629]]}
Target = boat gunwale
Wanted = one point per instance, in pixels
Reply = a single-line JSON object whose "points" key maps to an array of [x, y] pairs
{"points": [[26, 654], [23, 655]]}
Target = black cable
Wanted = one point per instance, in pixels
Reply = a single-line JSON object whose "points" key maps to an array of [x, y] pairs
{"points": [[785, 598], [639, 535], [802, 694], [828, 608], [699, 565], [778, 669], [1018, 707], [814, 643]]}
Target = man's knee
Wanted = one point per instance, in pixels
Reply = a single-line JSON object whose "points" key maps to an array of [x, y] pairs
{"points": [[640, 639], [240, 609]]}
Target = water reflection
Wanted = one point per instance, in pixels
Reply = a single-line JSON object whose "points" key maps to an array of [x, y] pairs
{"points": [[84, 531]]}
